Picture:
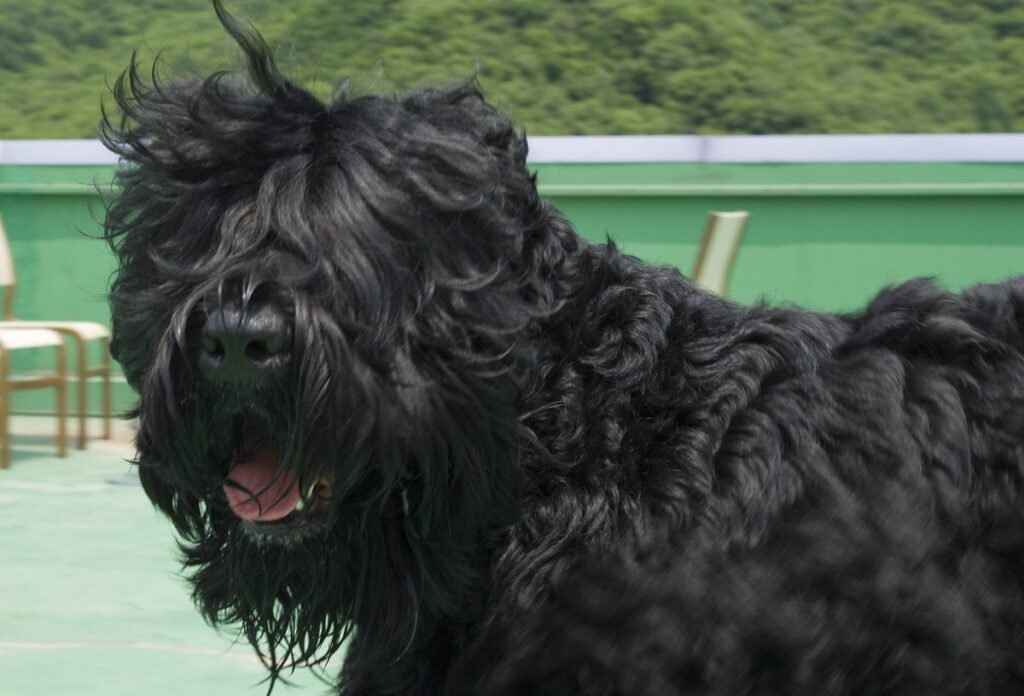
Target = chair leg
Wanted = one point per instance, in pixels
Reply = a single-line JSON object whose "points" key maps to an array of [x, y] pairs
{"points": [[5, 399], [62, 401], [83, 386], [106, 389]]}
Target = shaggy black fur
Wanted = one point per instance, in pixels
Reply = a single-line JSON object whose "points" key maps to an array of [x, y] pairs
{"points": [[549, 468]]}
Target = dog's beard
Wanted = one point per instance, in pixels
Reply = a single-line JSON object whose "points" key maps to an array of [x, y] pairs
{"points": [[197, 440]]}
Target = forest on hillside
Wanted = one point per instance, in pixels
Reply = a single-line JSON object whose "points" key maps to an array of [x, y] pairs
{"points": [[559, 66]]}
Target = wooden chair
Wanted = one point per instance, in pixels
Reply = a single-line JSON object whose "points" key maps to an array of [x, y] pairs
{"points": [[24, 338], [81, 332], [718, 248]]}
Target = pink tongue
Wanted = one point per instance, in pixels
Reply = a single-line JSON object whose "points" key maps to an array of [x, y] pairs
{"points": [[258, 494]]}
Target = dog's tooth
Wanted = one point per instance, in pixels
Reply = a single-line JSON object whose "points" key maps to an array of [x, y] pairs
{"points": [[299, 506], [320, 489]]}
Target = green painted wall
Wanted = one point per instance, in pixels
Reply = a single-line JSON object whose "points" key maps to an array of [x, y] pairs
{"points": [[50, 214], [823, 236], [826, 236]]}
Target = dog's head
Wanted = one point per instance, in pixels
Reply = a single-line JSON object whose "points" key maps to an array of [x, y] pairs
{"points": [[326, 310]]}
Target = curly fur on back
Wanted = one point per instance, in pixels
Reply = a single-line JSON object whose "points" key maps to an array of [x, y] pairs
{"points": [[555, 469]]}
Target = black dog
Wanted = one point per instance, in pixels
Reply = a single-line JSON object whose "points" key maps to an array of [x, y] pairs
{"points": [[391, 401]]}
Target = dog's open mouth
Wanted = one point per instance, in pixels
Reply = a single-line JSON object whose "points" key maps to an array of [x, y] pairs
{"points": [[265, 496]]}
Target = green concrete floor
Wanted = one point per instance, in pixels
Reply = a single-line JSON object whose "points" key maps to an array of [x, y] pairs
{"points": [[91, 602]]}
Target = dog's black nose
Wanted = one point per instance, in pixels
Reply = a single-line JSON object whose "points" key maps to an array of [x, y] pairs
{"points": [[244, 345]]}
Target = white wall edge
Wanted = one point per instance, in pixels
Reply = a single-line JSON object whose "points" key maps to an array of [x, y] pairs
{"points": [[724, 149], [55, 152], [755, 149]]}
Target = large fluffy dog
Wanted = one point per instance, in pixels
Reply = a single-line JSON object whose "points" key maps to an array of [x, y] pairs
{"points": [[391, 401]]}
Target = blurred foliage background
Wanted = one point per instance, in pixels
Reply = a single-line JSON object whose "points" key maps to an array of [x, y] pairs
{"points": [[559, 66]]}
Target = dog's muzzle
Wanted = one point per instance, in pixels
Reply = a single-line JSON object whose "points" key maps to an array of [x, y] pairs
{"points": [[244, 348]]}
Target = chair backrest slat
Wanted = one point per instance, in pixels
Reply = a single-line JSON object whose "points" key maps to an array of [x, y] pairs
{"points": [[721, 241], [6, 260]]}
